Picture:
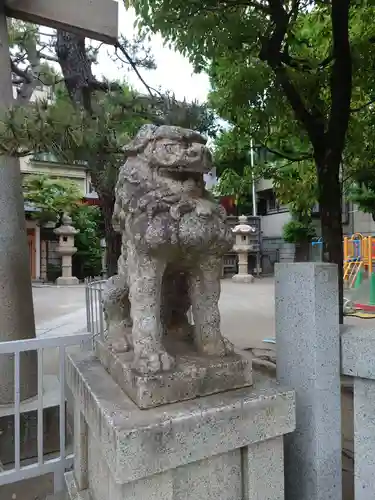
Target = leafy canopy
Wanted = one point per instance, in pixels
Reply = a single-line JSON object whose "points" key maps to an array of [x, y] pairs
{"points": [[52, 197]]}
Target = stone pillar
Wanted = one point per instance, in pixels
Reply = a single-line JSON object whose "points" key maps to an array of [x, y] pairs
{"points": [[358, 361], [241, 247], [43, 260], [308, 359], [66, 249], [103, 247], [16, 303], [226, 446]]}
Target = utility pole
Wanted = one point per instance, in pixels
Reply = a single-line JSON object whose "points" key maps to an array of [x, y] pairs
{"points": [[253, 178], [254, 199]]}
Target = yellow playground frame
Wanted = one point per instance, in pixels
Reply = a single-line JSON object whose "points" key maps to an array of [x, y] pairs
{"points": [[359, 256]]}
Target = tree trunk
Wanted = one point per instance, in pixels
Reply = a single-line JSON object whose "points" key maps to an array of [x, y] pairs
{"points": [[75, 66], [330, 206], [112, 238], [302, 252]]}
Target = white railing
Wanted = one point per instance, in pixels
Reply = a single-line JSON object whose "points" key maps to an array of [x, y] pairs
{"points": [[17, 471], [94, 307]]}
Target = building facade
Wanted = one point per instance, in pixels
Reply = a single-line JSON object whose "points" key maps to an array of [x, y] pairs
{"points": [[274, 216]]}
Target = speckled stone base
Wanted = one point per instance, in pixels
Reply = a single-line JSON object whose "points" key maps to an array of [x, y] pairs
{"points": [[193, 376], [67, 281], [243, 278], [228, 446]]}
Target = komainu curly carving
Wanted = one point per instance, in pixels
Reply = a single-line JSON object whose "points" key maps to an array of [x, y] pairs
{"points": [[173, 238]]}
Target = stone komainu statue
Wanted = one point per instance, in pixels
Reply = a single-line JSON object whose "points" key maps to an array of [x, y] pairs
{"points": [[173, 239]]}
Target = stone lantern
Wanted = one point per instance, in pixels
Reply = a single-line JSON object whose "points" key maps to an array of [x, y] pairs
{"points": [[243, 244], [66, 249]]}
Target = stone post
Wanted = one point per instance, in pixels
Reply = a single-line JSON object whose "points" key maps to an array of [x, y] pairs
{"points": [[43, 260], [66, 249], [16, 303], [242, 246], [308, 359], [103, 247], [358, 361]]}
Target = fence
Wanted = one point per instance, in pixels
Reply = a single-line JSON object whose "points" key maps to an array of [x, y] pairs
{"points": [[94, 310], [57, 466], [94, 307]]}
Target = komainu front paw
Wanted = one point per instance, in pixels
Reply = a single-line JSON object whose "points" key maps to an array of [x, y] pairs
{"points": [[119, 346], [153, 362], [218, 347]]}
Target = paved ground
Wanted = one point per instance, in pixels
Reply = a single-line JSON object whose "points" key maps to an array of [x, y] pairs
{"points": [[247, 311], [51, 302]]}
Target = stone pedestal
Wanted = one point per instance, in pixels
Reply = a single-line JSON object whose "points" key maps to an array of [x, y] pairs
{"points": [[227, 446], [66, 249], [67, 280], [193, 376]]}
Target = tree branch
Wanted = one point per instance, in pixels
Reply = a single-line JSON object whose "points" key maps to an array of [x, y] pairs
{"points": [[285, 156], [22, 74], [47, 57], [271, 52], [360, 108], [118, 46]]}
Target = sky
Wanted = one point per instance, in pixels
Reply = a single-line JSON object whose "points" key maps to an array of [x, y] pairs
{"points": [[173, 73]]}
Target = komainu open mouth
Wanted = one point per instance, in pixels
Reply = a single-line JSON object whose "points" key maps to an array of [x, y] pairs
{"points": [[182, 175]]}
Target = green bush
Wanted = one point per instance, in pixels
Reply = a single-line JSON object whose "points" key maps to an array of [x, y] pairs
{"points": [[296, 231], [88, 259]]}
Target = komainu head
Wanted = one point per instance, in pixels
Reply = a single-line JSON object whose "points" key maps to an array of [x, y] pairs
{"points": [[171, 149], [163, 165]]}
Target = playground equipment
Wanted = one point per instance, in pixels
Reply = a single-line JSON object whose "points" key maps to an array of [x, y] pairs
{"points": [[359, 263], [359, 257]]}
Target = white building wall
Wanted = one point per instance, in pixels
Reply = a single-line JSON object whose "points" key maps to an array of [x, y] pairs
{"points": [[263, 184], [363, 222], [272, 225]]}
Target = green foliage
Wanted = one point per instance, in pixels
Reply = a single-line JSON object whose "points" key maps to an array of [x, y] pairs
{"points": [[231, 151], [88, 259], [192, 115], [364, 197], [73, 135], [233, 184], [52, 197], [295, 185], [362, 191], [294, 182], [297, 231]]}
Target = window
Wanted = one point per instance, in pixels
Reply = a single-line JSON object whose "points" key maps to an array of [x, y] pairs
{"points": [[272, 204], [268, 203]]}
